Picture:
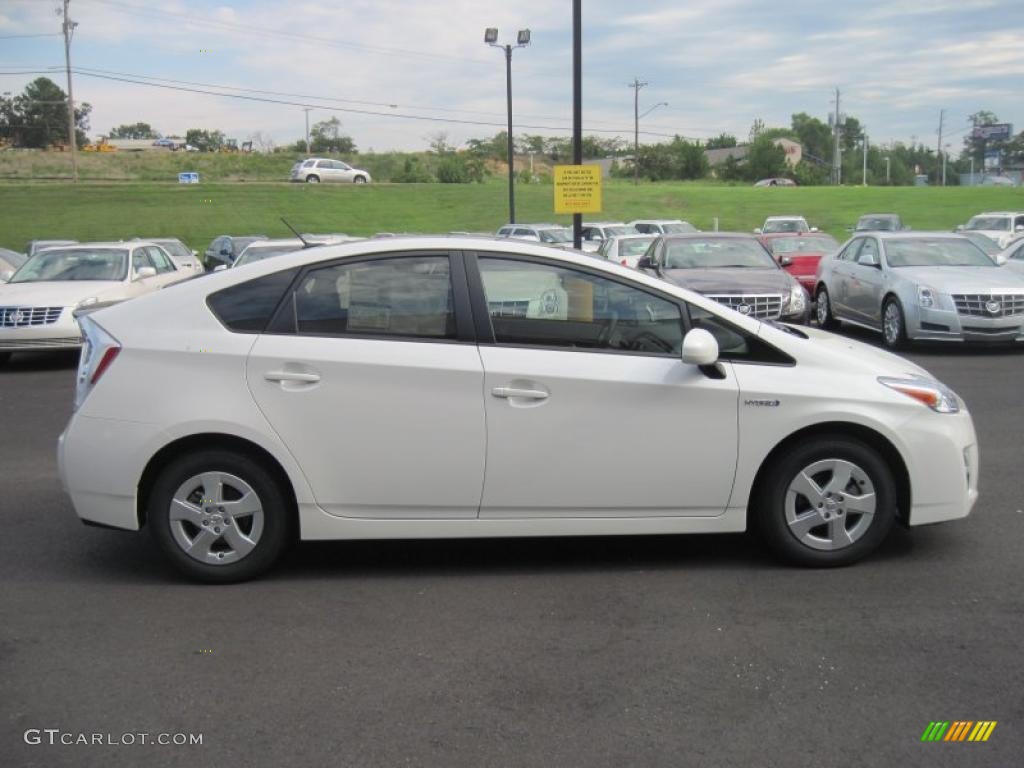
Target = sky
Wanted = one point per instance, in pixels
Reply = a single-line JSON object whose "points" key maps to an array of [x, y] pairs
{"points": [[383, 67]]}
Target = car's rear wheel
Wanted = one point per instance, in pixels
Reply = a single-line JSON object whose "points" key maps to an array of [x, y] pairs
{"points": [[823, 309], [219, 516], [311, 179], [894, 327], [359, 179], [828, 502]]}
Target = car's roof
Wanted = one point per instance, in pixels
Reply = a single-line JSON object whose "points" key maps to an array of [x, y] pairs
{"points": [[915, 235], [604, 224], [709, 236], [998, 213], [879, 215], [658, 221], [787, 216], [120, 244], [156, 240], [784, 235], [635, 235], [547, 225], [273, 243]]}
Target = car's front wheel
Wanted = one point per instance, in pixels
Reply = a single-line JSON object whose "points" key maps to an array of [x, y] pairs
{"points": [[894, 326], [311, 179], [219, 516], [359, 179], [828, 502], [823, 309]]}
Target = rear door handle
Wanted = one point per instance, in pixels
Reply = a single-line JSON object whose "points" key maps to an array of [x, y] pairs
{"points": [[529, 394], [304, 378]]}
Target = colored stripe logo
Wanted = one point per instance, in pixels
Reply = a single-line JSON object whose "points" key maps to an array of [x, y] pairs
{"points": [[958, 730]]}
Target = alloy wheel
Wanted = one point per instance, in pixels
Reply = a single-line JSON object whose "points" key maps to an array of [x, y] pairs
{"points": [[216, 518], [830, 504], [892, 324]]}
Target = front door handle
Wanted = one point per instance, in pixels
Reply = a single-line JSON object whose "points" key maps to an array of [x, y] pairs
{"points": [[529, 394], [302, 378]]}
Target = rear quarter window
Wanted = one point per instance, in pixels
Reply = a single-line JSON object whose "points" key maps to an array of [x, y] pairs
{"points": [[248, 307]]}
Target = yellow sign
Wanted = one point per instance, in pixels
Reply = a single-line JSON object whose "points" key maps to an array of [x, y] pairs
{"points": [[577, 189]]}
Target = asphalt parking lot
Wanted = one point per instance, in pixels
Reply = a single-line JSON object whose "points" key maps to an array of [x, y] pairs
{"points": [[580, 652]]}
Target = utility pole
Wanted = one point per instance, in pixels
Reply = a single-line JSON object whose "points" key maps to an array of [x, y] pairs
{"points": [[636, 85], [306, 110], [887, 180], [577, 108], [942, 118], [864, 172], [837, 164], [69, 28]]}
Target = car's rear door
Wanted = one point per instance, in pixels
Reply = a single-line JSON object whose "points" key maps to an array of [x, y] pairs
{"points": [[580, 366], [371, 377]]}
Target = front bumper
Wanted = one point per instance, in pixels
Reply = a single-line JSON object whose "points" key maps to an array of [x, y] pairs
{"points": [[949, 325], [941, 451], [62, 334]]}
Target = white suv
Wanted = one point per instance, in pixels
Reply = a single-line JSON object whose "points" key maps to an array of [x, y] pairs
{"points": [[999, 226], [318, 169], [451, 387]]}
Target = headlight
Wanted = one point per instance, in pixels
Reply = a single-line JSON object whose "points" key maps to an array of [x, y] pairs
{"points": [[926, 297], [797, 299], [930, 392]]}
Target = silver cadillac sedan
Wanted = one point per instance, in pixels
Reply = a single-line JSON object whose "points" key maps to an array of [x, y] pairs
{"points": [[920, 286]]}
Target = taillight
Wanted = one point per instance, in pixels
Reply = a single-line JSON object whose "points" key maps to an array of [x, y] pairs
{"points": [[99, 350], [625, 263]]}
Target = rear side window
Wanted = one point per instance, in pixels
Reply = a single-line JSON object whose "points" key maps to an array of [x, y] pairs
{"points": [[404, 297], [248, 307]]}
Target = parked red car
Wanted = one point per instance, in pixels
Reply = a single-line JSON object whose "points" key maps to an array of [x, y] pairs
{"points": [[799, 253]]}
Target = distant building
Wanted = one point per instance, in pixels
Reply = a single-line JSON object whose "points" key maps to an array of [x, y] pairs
{"points": [[135, 145], [794, 152]]}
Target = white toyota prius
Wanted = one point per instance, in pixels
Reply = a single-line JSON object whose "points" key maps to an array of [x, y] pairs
{"points": [[474, 387]]}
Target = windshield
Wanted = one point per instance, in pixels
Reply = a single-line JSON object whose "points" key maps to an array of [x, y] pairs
{"points": [[619, 231], [788, 245], [679, 228], [634, 246], [1001, 223], [947, 252], [986, 243], [785, 225], [175, 248], [717, 254], [877, 223], [555, 235], [76, 264], [259, 254]]}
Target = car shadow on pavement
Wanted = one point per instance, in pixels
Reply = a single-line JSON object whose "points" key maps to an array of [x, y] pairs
{"points": [[934, 348], [32, 362]]}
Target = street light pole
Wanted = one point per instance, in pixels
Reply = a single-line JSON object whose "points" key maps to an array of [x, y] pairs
{"points": [[522, 40], [306, 110], [636, 85], [577, 107], [864, 172], [887, 180]]}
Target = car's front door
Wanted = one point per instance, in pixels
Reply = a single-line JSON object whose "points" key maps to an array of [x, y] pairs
{"points": [[375, 387], [583, 367], [840, 285], [867, 283]]}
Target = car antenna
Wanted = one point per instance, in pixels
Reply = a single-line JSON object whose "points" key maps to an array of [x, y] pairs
{"points": [[305, 243]]}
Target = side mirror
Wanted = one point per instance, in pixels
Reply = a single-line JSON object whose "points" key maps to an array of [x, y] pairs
{"points": [[143, 272], [699, 348], [646, 262], [220, 267], [195, 253], [757, 231], [785, 261], [1000, 259]]}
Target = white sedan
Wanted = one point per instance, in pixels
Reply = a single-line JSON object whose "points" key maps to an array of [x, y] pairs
{"points": [[460, 387], [38, 306]]}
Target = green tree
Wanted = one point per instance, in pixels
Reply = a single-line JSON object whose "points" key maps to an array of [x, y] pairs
{"points": [[765, 160], [814, 136], [413, 172], [38, 117], [326, 137], [721, 141], [134, 131], [203, 140]]}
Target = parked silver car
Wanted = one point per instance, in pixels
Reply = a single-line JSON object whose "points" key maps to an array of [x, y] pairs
{"points": [[625, 249], [319, 169], [920, 286]]}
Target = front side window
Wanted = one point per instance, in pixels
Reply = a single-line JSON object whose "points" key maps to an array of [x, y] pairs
{"points": [[160, 260], [868, 253], [735, 344], [141, 260], [405, 296], [542, 304], [990, 223]]}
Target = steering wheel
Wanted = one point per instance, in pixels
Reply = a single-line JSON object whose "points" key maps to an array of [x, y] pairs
{"points": [[649, 342]]}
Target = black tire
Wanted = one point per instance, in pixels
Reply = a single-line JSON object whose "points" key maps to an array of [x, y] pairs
{"points": [[773, 497], [894, 338], [277, 517], [4, 357], [312, 179], [359, 180], [823, 309]]}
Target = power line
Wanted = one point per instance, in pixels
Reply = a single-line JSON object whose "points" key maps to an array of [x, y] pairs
{"points": [[25, 37], [373, 113]]}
